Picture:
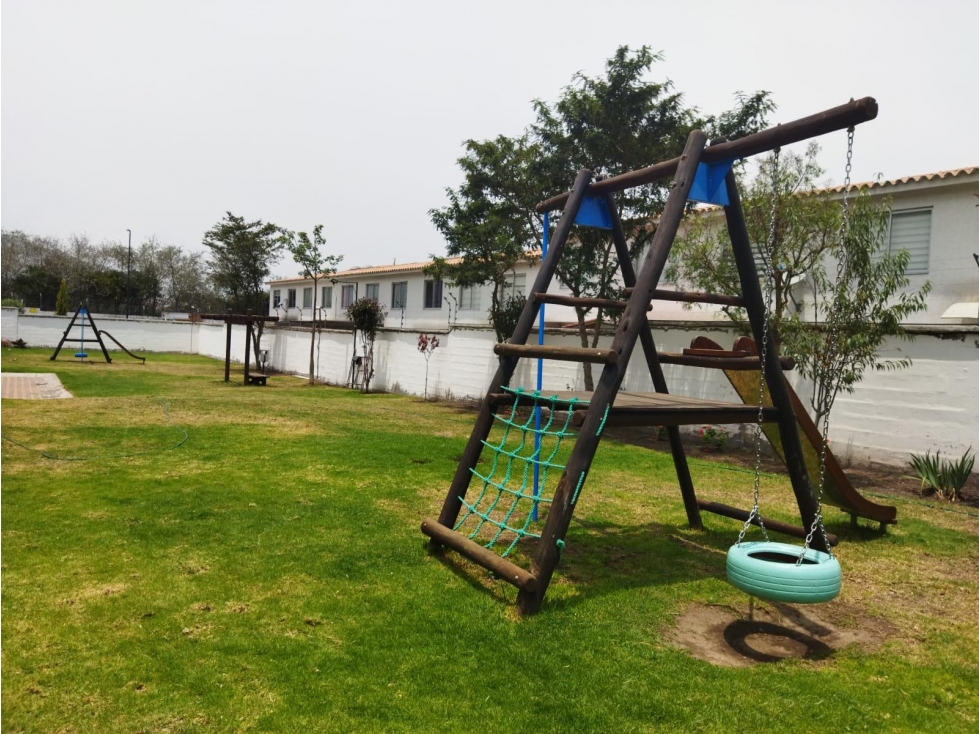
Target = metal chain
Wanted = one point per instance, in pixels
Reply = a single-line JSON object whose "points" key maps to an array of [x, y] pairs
{"points": [[833, 371], [769, 282]]}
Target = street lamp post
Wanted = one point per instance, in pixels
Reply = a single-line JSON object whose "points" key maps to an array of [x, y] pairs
{"points": [[129, 267]]}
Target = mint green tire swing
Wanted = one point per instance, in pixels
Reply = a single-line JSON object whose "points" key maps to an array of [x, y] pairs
{"points": [[783, 572], [772, 571]]}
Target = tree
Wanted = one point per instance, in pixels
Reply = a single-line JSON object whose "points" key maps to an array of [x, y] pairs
{"points": [[61, 303], [427, 346], [489, 222], [242, 255], [805, 236], [313, 265], [367, 316], [609, 124]]}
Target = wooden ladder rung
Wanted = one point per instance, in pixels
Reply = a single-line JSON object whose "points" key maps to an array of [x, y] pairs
{"points": [[567, 354], [721, 362], [661, 294], [607, 303], [509, 572], [681, 416], [696, 352]]}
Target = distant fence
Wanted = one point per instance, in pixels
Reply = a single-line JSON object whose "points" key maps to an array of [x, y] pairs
{"points": [[932, 404]]}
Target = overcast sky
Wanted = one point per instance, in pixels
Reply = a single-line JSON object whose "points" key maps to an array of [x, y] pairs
{"points": [[161, 116]]}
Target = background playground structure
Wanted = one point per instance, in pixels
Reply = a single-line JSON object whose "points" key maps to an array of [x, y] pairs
{"points": [[303, 589]]}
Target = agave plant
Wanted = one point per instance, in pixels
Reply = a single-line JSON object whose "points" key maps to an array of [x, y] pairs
{"points": [[943, 477]]}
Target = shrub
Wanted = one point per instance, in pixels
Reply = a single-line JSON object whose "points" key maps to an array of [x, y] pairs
{"points": [[61, 303], [505, 316], [368, 316], [943, 477], [714, 438], [18, 304]]}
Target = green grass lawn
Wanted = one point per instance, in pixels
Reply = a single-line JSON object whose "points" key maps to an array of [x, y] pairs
{"points": [[269, 575]]}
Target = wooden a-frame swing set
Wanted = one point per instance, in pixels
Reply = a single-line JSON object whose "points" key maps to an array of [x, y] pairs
{"points": [[701, 173]]}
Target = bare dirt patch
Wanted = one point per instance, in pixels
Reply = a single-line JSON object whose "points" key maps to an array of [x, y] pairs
{"points": [[736, 638]]}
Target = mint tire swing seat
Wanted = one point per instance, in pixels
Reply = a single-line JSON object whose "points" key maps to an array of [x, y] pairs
{"points": [[783, 572], [771, 571]]}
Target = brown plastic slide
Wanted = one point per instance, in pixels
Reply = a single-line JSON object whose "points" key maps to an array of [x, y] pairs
{"points": [[838, 492]]}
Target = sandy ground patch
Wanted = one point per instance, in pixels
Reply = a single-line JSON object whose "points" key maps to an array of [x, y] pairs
{"points": [[735, 638]]}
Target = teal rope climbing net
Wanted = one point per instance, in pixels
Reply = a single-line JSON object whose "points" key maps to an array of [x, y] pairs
{"points": [[500, 515]]}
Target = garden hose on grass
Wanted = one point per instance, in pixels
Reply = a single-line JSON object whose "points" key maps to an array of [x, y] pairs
{"points": [[55, 457]]}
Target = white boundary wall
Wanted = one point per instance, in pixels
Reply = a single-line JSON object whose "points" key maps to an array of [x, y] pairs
{"points": [[934, 404]]}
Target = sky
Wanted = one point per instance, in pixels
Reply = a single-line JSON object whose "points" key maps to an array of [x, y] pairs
{"points": [[160, 117]]}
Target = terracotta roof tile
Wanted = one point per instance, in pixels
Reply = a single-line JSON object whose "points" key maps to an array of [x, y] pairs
{"points": [[937, 175]]}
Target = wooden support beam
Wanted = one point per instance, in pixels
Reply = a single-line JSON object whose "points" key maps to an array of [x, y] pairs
{"points": [[607, 303], [509, 572], [777, 525], [721, 362], [565, 354], [837, 118], [672, 416], [662, 294]]}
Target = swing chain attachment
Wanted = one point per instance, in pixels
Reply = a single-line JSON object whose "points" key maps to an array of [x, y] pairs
{"points": [[769, 281], [830, 387]]}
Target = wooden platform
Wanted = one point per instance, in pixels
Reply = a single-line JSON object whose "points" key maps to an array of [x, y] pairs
{"points": [[650, 409]]}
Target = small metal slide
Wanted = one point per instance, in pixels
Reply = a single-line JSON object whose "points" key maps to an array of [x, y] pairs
{"points": [[122, 347]]}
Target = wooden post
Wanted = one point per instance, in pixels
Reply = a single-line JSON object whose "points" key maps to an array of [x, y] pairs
{"points": [[627, 334], [248, 349], [227, 349], [754, 304], [655, 371], [484, 421]]}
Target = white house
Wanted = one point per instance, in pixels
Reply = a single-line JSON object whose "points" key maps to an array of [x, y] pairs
{"points": [[935, 217]]}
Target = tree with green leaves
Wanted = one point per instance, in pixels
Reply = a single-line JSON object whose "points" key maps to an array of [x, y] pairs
{"points": [[242, 254], [488, 223], [367, 316], [313, 265], [870, 303], [616, 122]]}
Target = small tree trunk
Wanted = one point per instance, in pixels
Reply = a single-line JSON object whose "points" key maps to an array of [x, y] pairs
{"points": [[583, 333], [312, 344]]}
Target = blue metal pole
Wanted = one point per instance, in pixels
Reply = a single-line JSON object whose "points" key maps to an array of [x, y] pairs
{"points": [[540, 372]]}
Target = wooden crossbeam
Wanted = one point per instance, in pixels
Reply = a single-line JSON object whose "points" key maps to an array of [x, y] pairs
{"points": [[837, 118]]}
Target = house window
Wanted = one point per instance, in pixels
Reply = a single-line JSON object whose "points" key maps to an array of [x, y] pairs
{"points": [[327, 300], [307, 297], [516, 285], [399, 294], [433, 294], [373, 290], [469, 298], [911, 231], [346, 296], [291, 294], [276, 298]]}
